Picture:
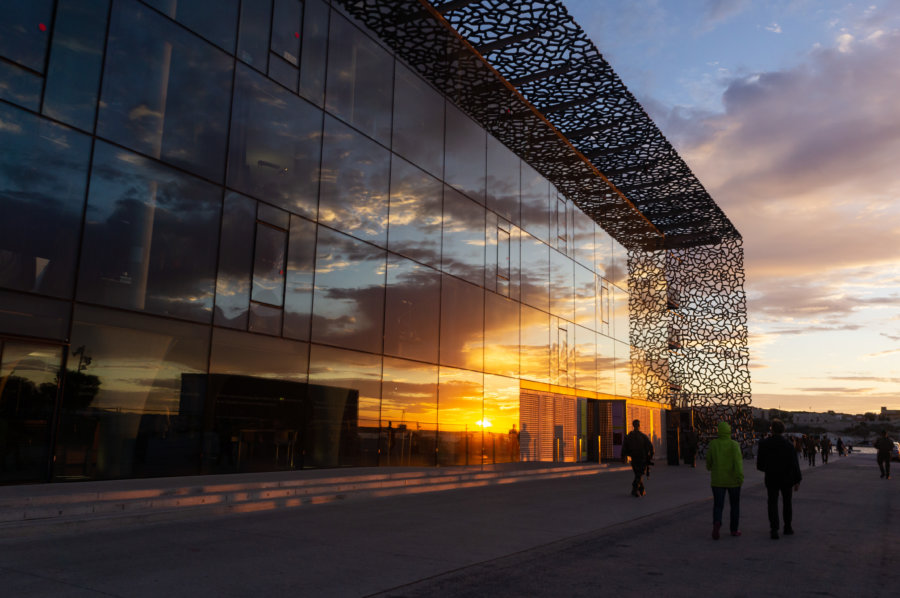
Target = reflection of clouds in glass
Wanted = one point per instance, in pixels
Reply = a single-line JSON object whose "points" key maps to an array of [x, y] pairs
{"points": [[460, 399]]}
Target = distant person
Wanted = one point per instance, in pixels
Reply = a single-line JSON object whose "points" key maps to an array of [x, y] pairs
{"points": [[640, 449], [840, 447], [884, 445], [691, 443], [513, 444], [825, 445], [778, 459], [525, 443], [726, 466], [811, 450]]}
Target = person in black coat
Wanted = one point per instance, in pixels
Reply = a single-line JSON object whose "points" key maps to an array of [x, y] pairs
{"points": [[778, 459], [640, 449]]}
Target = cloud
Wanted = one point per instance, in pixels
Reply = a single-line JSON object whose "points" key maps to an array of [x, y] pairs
{"points": [[717, 11], [774, 28], [884, 353]]}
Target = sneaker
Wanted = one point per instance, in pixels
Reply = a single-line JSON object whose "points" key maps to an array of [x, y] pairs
{"points": [[736, 534], [774, 534], [788, 530], [715, 533]]}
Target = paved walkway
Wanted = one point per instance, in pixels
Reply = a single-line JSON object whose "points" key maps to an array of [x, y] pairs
{"points": [[575, 536]]}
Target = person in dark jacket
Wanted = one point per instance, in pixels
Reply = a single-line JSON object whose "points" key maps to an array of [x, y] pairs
{"points": [[884, 445], [778, 459], [640, 449]]}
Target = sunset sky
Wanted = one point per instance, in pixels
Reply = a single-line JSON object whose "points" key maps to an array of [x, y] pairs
{"points": [[789, 113]]}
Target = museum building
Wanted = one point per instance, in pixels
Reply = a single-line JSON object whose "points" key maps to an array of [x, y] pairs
{"points": [[283, 234]]}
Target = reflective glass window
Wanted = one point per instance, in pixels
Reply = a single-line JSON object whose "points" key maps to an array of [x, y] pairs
{"points": [[29, 374], [418, 121], [274, 216], [462, 324], [20, 86], [460, 417], [562, 352], [269, 265], [343, 413], [602, 252], [535, 203], [241, 353], [265, 319], [604, 307], [25, 31], [562, 285], [585, 359], [465, 154], [355, 183], [535, 272], [462, 249], [606, 365], [408, 413], [275, 144], [534, 344], [561, 222], [618, 273], [348, 302], [623, 369], [501, 416], [235, 261], [299, 292], [27, 315], [585, 297], [491, 254], [501, 335], [133, 398], [253, 40], [173, 103], [43, 173], [515, 262], [284, 72], [143, 221], [360, 80], [503, 194], [583, 241], [73, 76], [286, 27], [412, 310], [315, 48], [619, 314], [216, 20], [416, 207]]}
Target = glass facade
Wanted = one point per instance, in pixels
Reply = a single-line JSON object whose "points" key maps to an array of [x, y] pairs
{"points": [[245, 237]]}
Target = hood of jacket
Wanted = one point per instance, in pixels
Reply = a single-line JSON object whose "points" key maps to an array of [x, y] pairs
{"points": [[724, 430]]}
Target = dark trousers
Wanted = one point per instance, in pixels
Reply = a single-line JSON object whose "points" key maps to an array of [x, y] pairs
{"points": [[734, 505], [884, 463], [638, 484], [787, 494]]}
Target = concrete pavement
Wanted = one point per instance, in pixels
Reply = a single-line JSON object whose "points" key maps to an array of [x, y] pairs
{"points": [[581, 535]]}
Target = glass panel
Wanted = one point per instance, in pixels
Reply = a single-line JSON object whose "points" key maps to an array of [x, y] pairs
{"points": [[213, 19], [562, 285], [418, 121], [462, 324], [502, 180], [142, 220], [504, 261], [20, 86], [274, 216], [348, 304], [299, 293], [412, 309], [343, 415], [620, 314], [173, 103], [462, 249], [286, 27], [585, 359], [501, 335], [355, 183], [491, 255], [240, 353], [585, 297], [602, 252], [606, 365], [42, 184], [534, 340], [604, 310], [460, 417], [235, 261], [265, 319], [27, 315], [535, 272], [275, 144], [282, 71], [415, 213], [584, 238], [315, 48], [535, 203], [268, 265], [562, 224], [24, 32], [408, 413], [465, 154], [623, 369], [360, 75], [515, 259], [253, 40], [501, 414], [73, 76], [133, 405], [562, 352], [618, 273], [29, 376]]}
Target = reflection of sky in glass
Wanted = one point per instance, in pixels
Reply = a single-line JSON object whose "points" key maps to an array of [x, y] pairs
{"points": [[535, 203], [244, 354], [562, 285], [462, 324], [619, 309], [534, 352], [460, 400], [535, 273], [349, 369], [606, 381], [418, 121], [465, 154], [412, 308], [502, 180], [585, 358], [463, 237], [501, 335], [501, 403], [623, 369], [415, 213], [409, 394], [585, 297]]}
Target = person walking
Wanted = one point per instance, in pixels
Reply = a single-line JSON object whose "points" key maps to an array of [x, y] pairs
{"points": [[884, 445], [778, 459], [691, 444], [726, 466], [811, 449], [826, 449], [640, 449]]}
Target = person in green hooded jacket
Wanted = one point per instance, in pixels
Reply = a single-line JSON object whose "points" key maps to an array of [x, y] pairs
{"points": [[726, 466]]}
